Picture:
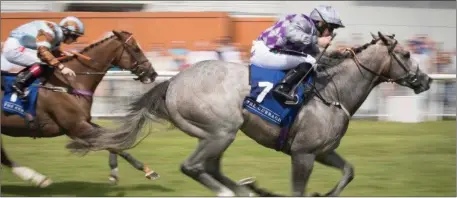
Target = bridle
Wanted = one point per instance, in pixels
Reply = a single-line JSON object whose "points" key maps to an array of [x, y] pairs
{"points": [[136, 69], [409, 76]]}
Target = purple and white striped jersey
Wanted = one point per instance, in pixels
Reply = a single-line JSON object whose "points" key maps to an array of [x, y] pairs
{"points": [[294, 32]]}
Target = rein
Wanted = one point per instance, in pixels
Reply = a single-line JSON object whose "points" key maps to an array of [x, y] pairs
{"points": [[408, 73], [88, 59], [71, 90]]}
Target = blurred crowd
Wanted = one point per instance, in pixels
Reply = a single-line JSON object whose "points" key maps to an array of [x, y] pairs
{"points": [[177, 57], [430, 55]]}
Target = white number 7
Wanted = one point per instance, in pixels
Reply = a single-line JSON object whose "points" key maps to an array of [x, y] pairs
{"points": [[268, 86]]}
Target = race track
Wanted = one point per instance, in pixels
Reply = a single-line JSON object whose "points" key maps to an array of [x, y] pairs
{"points": [[390, 159]]}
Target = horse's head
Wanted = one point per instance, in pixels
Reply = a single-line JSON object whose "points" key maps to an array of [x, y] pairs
{"points": [[131, 57], [399, 67]]}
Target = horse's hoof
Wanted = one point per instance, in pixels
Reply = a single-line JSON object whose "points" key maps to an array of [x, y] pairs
{"points": [[113, 179], [45, 183], [152, 175], [316, 195]]}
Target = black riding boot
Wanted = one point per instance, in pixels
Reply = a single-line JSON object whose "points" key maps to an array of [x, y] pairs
{"points": [[23, 80], [284, 89]]}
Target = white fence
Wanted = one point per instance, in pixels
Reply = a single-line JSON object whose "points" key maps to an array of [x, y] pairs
{"points": [[386, 102]]}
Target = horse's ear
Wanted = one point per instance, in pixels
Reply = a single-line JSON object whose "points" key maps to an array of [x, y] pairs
{"points": [[383, 38], [118, 34], [374, 36]]}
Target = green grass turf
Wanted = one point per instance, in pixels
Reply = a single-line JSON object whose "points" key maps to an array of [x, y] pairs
{"points": [[390, 159]]}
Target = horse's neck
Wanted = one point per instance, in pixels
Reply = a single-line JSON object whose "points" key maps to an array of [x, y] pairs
{"points": [[99, 63], [351, 86]]}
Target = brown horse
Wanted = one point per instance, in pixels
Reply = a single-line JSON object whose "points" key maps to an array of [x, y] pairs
{"points": [[63, 105]]}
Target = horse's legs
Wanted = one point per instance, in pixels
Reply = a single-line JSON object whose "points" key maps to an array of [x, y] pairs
{"points": [[212, 166], [25, 173], [149, 174], [6, 160], [112, 160], [114, 177], [332, 159], [302, 166], [211, 147]]}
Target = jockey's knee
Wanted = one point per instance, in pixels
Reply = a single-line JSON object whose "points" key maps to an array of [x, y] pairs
{"points": [[19, 55], [19, 58], [263, 57], [305, 66], [11, 55]]}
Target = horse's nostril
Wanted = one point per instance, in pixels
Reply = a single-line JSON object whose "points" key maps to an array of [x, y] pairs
{"points": [[154, 76]]}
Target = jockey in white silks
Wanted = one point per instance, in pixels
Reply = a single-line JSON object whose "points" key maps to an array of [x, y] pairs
{"points": [[38, 42], [296, 32]]}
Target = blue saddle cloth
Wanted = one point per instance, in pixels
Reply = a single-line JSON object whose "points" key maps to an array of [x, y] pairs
{"points": [[12, 104], [262, 103]]}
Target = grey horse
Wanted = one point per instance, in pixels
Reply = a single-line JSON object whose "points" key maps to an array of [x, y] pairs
{"points": [[205, 101]]}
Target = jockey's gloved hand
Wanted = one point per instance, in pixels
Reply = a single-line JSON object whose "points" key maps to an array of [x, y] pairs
{"points": [[66, 70], [309, 59], [314, 66], [324, 41]]}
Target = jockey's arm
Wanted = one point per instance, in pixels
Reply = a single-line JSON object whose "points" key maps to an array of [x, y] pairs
{"points": [[43, 42], [300, 31], [58, 53]]}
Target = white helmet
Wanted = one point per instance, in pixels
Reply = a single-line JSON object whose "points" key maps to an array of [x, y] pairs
{"points": [[327, 14], [73, 24]]}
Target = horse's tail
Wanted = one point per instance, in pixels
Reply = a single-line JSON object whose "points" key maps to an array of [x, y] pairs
{"points": [[152, 103], [150, 106]]}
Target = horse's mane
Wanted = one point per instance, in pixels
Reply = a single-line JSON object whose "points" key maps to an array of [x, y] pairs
{"points": [[336, 57], [91, 46]]}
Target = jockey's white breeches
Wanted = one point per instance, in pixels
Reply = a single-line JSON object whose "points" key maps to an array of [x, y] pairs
{"points": [[262, 57], [14, 53]]}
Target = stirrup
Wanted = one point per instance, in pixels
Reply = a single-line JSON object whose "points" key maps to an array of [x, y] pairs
{"points": [[20, 93], [284, 95], [292, 102]]}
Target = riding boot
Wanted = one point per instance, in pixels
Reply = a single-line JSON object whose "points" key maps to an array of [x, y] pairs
{"points": [[24, 79], [284, 88]]}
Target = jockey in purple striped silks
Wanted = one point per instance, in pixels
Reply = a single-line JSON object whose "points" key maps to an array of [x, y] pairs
{"points": [[296, 32]]}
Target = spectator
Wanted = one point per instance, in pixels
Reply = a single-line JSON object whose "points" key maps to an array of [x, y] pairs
{"points": [[418, 49], [442, 60], [245, 53], [159, 58], [445, 65], [227, 51], [203, 51], [452, 84], [423, 52], [453, 63], [178, 52]]}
